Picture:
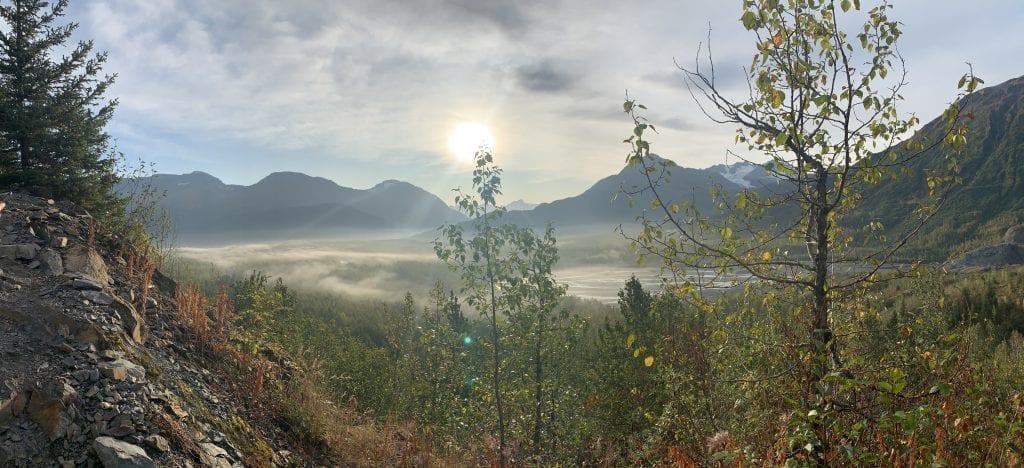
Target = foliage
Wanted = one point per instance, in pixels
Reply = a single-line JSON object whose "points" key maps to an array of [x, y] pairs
{"points": [[507, 273], [53, 111]]}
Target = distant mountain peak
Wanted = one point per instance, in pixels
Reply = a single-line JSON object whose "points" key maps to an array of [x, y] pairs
{"points": [[289, 176], [391, 183], [520, 205]]}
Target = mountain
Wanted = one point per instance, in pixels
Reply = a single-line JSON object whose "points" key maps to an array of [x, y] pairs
{"points": [[606, 202], [990, 198], [520, 205], [290, 204]]}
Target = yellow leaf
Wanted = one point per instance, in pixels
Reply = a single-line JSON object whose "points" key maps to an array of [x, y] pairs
{"points": [[649, 361], [766, 256], [777, 40], [630, 340]]}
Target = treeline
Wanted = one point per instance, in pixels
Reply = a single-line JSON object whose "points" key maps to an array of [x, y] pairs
{"points": [[662, 381], [501, 372]]}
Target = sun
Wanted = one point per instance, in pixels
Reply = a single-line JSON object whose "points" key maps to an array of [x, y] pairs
{"points": [[468, 137]]}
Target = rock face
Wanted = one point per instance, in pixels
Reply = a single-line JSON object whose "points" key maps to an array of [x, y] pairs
{"points": [[116, 454], [52, 262], [19, 251], [81, 383], [132, 322], [85, 261], [1000, 255], [48, 407]]}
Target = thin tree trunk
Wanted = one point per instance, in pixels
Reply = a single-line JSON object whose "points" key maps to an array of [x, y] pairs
{"points": [[538, 392], [497, 350], [823, 342]]}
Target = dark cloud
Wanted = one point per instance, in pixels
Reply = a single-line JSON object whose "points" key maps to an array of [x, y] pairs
{"points": [[507, 16], [728, 74], [545, 77], [673, 123]]}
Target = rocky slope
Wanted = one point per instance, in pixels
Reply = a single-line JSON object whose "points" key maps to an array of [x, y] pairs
{"points": [[1010, 252], [94, 370]]}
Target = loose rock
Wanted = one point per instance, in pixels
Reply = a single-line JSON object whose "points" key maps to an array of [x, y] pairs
{"points": [[133, 323], [158, 443], [47, 404], [114, 453], [86, 284], [98, 297]]}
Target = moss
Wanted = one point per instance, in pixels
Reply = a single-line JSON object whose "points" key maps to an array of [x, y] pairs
{"points": [[253, 446], [146, 360]]}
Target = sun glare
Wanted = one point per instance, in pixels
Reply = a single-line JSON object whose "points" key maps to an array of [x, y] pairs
{"points": [[467, 138]]}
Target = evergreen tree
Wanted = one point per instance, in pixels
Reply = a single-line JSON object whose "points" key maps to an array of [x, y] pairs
{"points": [[52, 110]]}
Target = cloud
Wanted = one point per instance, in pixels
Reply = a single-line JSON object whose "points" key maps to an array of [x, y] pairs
{"points": [[363, 90], [545, 77], [729, 74]]}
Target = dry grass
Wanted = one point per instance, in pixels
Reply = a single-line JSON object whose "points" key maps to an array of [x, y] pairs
{"points": [[347, 437], [276, 392], [90, 234], [223, 309], [140, 265], [191, 306]]}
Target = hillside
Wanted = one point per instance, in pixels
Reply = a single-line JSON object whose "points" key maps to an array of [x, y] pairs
{"points": [[991, 196], [106, 362], [290, 205]]}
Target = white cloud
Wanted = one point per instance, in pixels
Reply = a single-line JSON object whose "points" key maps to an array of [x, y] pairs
{"points": [[336, 85]]}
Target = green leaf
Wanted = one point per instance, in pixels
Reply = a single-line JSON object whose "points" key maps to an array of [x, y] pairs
{"points": [[781, 139], [630, 340], [749, 20], [846, 5]]}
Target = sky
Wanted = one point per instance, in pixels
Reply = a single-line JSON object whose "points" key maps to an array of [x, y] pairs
{"points": [[361, 91]]}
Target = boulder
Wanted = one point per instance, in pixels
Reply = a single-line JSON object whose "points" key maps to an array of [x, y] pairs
{"points": [[165, 284], [1014, 235], [47, 407], [52, 262], [19, 251], [86, 284], [85, 261], [133, 323], [158, 443], [214, 456], [114, 453], [98, 297], [122, 369]]}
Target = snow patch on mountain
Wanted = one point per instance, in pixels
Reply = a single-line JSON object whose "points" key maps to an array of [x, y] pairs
{"points": [[737, 174]]}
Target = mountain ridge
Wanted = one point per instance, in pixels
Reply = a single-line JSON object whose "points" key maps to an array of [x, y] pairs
{"points": [[289, 204]]}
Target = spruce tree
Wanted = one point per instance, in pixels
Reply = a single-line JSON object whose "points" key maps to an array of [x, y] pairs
{"points": [[52, 107]]}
